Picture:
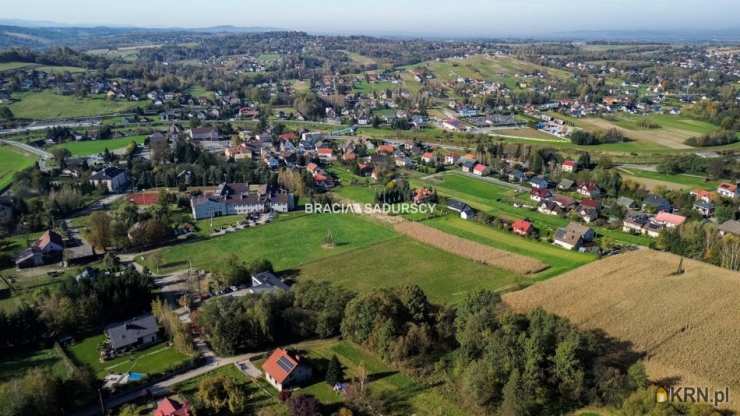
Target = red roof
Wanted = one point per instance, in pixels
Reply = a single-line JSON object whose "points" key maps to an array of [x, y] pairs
{"points": [[522, 226], [480, 168], [667, 218], [167, 407], [291, 135], [311, 167], [571, 163], [590, 203], [428, 155], [728, 186], [325, 150], [144, 198], [49, 237], [277, 371], [543, 193], [386, 148]]}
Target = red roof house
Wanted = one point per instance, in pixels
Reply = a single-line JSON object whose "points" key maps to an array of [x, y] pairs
{"points": [[283, 370], [569, 166], [669, 220], [167, 407], [522, 227], [480, 169]]}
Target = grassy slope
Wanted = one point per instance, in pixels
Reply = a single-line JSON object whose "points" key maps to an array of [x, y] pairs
{"points": [[13, 367], [48, 105], [445, 278], [12, 161], [290, 241], [558, 259], [93, 147]]}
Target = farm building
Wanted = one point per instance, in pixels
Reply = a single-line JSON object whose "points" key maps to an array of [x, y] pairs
{"points": [[239, 199]]}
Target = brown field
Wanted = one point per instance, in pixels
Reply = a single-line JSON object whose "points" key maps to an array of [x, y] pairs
{"points": [[668, 137], [470, 249], [653, 184], [686, 325]]}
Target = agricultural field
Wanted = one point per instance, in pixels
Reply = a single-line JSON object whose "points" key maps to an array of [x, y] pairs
{"points": [[497, 200], [377, 87], [94, 147], [12, 160], [558, 260], [472, 250], [444, 277], [48, 105], [653, 180], [406, 395], [638, 298], [11, 66], [156, 359], [278, 243]]}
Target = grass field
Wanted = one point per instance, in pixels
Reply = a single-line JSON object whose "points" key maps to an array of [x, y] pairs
{"points": [[497, 200], [445, 278], [635, 297], [48, 105], [405, 396], [13, 367], [679, 181], [12, 161], [288, 242], [93, 147], [155, 359], [559, 260]]}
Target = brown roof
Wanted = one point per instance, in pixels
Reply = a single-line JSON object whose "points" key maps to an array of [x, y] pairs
{"points": [[572, 233]]}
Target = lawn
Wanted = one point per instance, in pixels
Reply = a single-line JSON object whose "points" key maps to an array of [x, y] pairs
{"points": [[155, 359], [14, 366], [12, 161], [497, 200], [353, 187], [48, 105], [288, 242], [445, 278], [93, 147], [558, 259], [404, 394]]}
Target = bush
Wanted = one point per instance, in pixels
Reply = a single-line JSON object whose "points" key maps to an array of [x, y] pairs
{"points": [[717, 138]]}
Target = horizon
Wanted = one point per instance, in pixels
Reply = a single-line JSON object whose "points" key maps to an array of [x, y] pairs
{"points": [[478, 19]]}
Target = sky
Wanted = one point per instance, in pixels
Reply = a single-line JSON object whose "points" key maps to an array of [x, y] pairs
{"points": [[471, 18]]}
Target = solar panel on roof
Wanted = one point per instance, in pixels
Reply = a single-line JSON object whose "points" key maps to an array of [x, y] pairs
{"points": [[285, 364]]}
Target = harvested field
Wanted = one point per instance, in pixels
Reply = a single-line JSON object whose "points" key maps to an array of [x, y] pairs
{"points": [[470, 249], [669, 137], [687, 325]]}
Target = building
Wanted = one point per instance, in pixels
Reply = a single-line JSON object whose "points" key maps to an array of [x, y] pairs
{"points": [[132, 334], [728, 190], [462, 208], [468, 166], [669, 220], [204, 134], [112, 178], [625, 202], [239, 199], [730, 227], [539, 194], [522, 227], [428, 157], [169, 407], [267, 282], [284, 370], [656, 203], [49, 248], [452, 124], [481, 170], [573, 237], [589, 189], [635, 222], [569, 166], [705, 208], [539, 182]]}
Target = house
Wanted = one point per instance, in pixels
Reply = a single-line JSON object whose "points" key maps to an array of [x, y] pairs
{"points": [[522, 227], [48, 249], [566, 184], [539, 194], [204, 134], [703, 195], [238, 152], [468, 166], [589, 189], [517, 176], [625, 202], [588, 214], [563, 202], [169, 407], [267, 282], [326, 154], [730, 227], [462, 208], [422, 195], [635, 222], [573, 237], [481, 170], [132, 334], [569, 166], [728, 190], [112, 178], [549, 208], [705, 208], [428, 157], [451, 158], [453, 124], [539, 182], [656, 203], [239, 199], [284, 370], [669, 220]]}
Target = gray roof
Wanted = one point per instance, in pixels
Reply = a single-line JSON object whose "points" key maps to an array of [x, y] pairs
{"points": [[572, 234], [127, 333], [107, 174], [623, 201], [731, 226], [267, 282]]}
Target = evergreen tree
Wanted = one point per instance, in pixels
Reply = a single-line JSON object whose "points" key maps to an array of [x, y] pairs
{"points": [[334, 373]]}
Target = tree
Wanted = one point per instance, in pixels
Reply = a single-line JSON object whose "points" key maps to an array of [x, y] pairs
{"points": [[98, 232], [60, 155], [6, 113], [37, 393], [334, 372], [218, 394], [303, 405]]}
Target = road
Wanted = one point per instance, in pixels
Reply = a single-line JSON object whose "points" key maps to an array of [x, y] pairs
{"points": [[27, 148]]}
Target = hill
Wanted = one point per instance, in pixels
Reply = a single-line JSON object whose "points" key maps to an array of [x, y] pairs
{"points": [[686, 325]]}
